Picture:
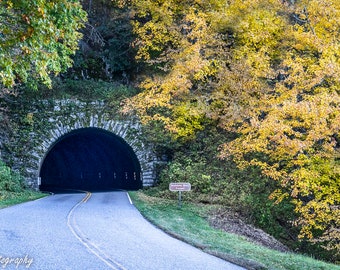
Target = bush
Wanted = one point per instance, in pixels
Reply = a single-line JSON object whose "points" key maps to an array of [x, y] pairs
{"points": [[247, 191], [9, 180]]}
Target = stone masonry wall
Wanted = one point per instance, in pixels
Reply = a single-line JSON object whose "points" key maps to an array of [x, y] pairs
{"points": [[38, 126]]}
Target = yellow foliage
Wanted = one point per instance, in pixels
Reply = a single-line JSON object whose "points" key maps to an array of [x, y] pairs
{"points": [[266, 70]]}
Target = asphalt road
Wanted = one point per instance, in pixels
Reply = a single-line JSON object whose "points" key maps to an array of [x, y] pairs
{"points": [[92, 231]]}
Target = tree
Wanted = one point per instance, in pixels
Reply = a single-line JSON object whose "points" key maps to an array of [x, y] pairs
{"points": [[265, 70], [105, 50], [37, 39], [292, 133], [183, 55]]}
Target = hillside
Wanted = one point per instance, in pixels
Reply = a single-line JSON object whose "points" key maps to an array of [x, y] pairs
{"points": [[239, 98]]}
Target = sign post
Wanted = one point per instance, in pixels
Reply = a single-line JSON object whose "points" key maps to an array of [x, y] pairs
{"points": [[179, 187]]}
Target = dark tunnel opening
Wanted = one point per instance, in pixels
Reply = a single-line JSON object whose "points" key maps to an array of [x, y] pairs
{"points": [[90, 159]]}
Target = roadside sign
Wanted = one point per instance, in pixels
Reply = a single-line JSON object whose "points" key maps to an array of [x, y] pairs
{"points": [[180, 187]]}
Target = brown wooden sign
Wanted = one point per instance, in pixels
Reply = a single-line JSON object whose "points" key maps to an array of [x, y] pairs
{"points": [[180, 187]]}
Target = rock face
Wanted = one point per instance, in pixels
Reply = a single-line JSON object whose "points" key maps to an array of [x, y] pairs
{"points": [[37, 127]]}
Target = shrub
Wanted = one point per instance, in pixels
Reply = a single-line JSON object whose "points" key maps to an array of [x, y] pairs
{"points": [[9, 180]]}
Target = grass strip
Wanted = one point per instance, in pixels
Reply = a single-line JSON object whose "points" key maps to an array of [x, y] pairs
{"points": [[11, 198], [189, 224]]}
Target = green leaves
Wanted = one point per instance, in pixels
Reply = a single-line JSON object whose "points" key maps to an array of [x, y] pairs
{"points": [[265, 70], [294, 123], [37, 39], [9, 181]]}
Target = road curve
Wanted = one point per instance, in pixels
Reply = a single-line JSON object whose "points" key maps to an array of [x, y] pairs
{"points": [[92, 231]]}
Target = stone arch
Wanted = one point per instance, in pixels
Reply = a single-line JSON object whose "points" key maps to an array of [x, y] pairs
{"points": [[127, 129], [90, 159]]}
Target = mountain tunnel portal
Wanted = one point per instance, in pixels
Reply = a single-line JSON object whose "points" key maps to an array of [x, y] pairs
{"points": [[90, 159]]}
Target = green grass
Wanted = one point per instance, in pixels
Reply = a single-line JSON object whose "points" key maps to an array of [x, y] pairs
{"points": [[190, 225], [11, 198]]}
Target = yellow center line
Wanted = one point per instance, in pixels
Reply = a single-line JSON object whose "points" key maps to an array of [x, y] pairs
{"points": [[74, 228], [87, 197]]}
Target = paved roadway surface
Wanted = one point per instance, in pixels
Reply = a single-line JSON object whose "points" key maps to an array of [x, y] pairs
{"points": [[92, 231]]}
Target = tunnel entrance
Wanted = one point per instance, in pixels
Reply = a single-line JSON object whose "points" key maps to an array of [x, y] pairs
{"points": [[90, 159]]}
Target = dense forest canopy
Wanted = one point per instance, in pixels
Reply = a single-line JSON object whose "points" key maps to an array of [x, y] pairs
{"points": [[37, 38], [262, 75], [268, 71]]}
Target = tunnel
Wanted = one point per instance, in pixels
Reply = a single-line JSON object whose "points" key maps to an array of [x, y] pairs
{"points": [[90, 159]]}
